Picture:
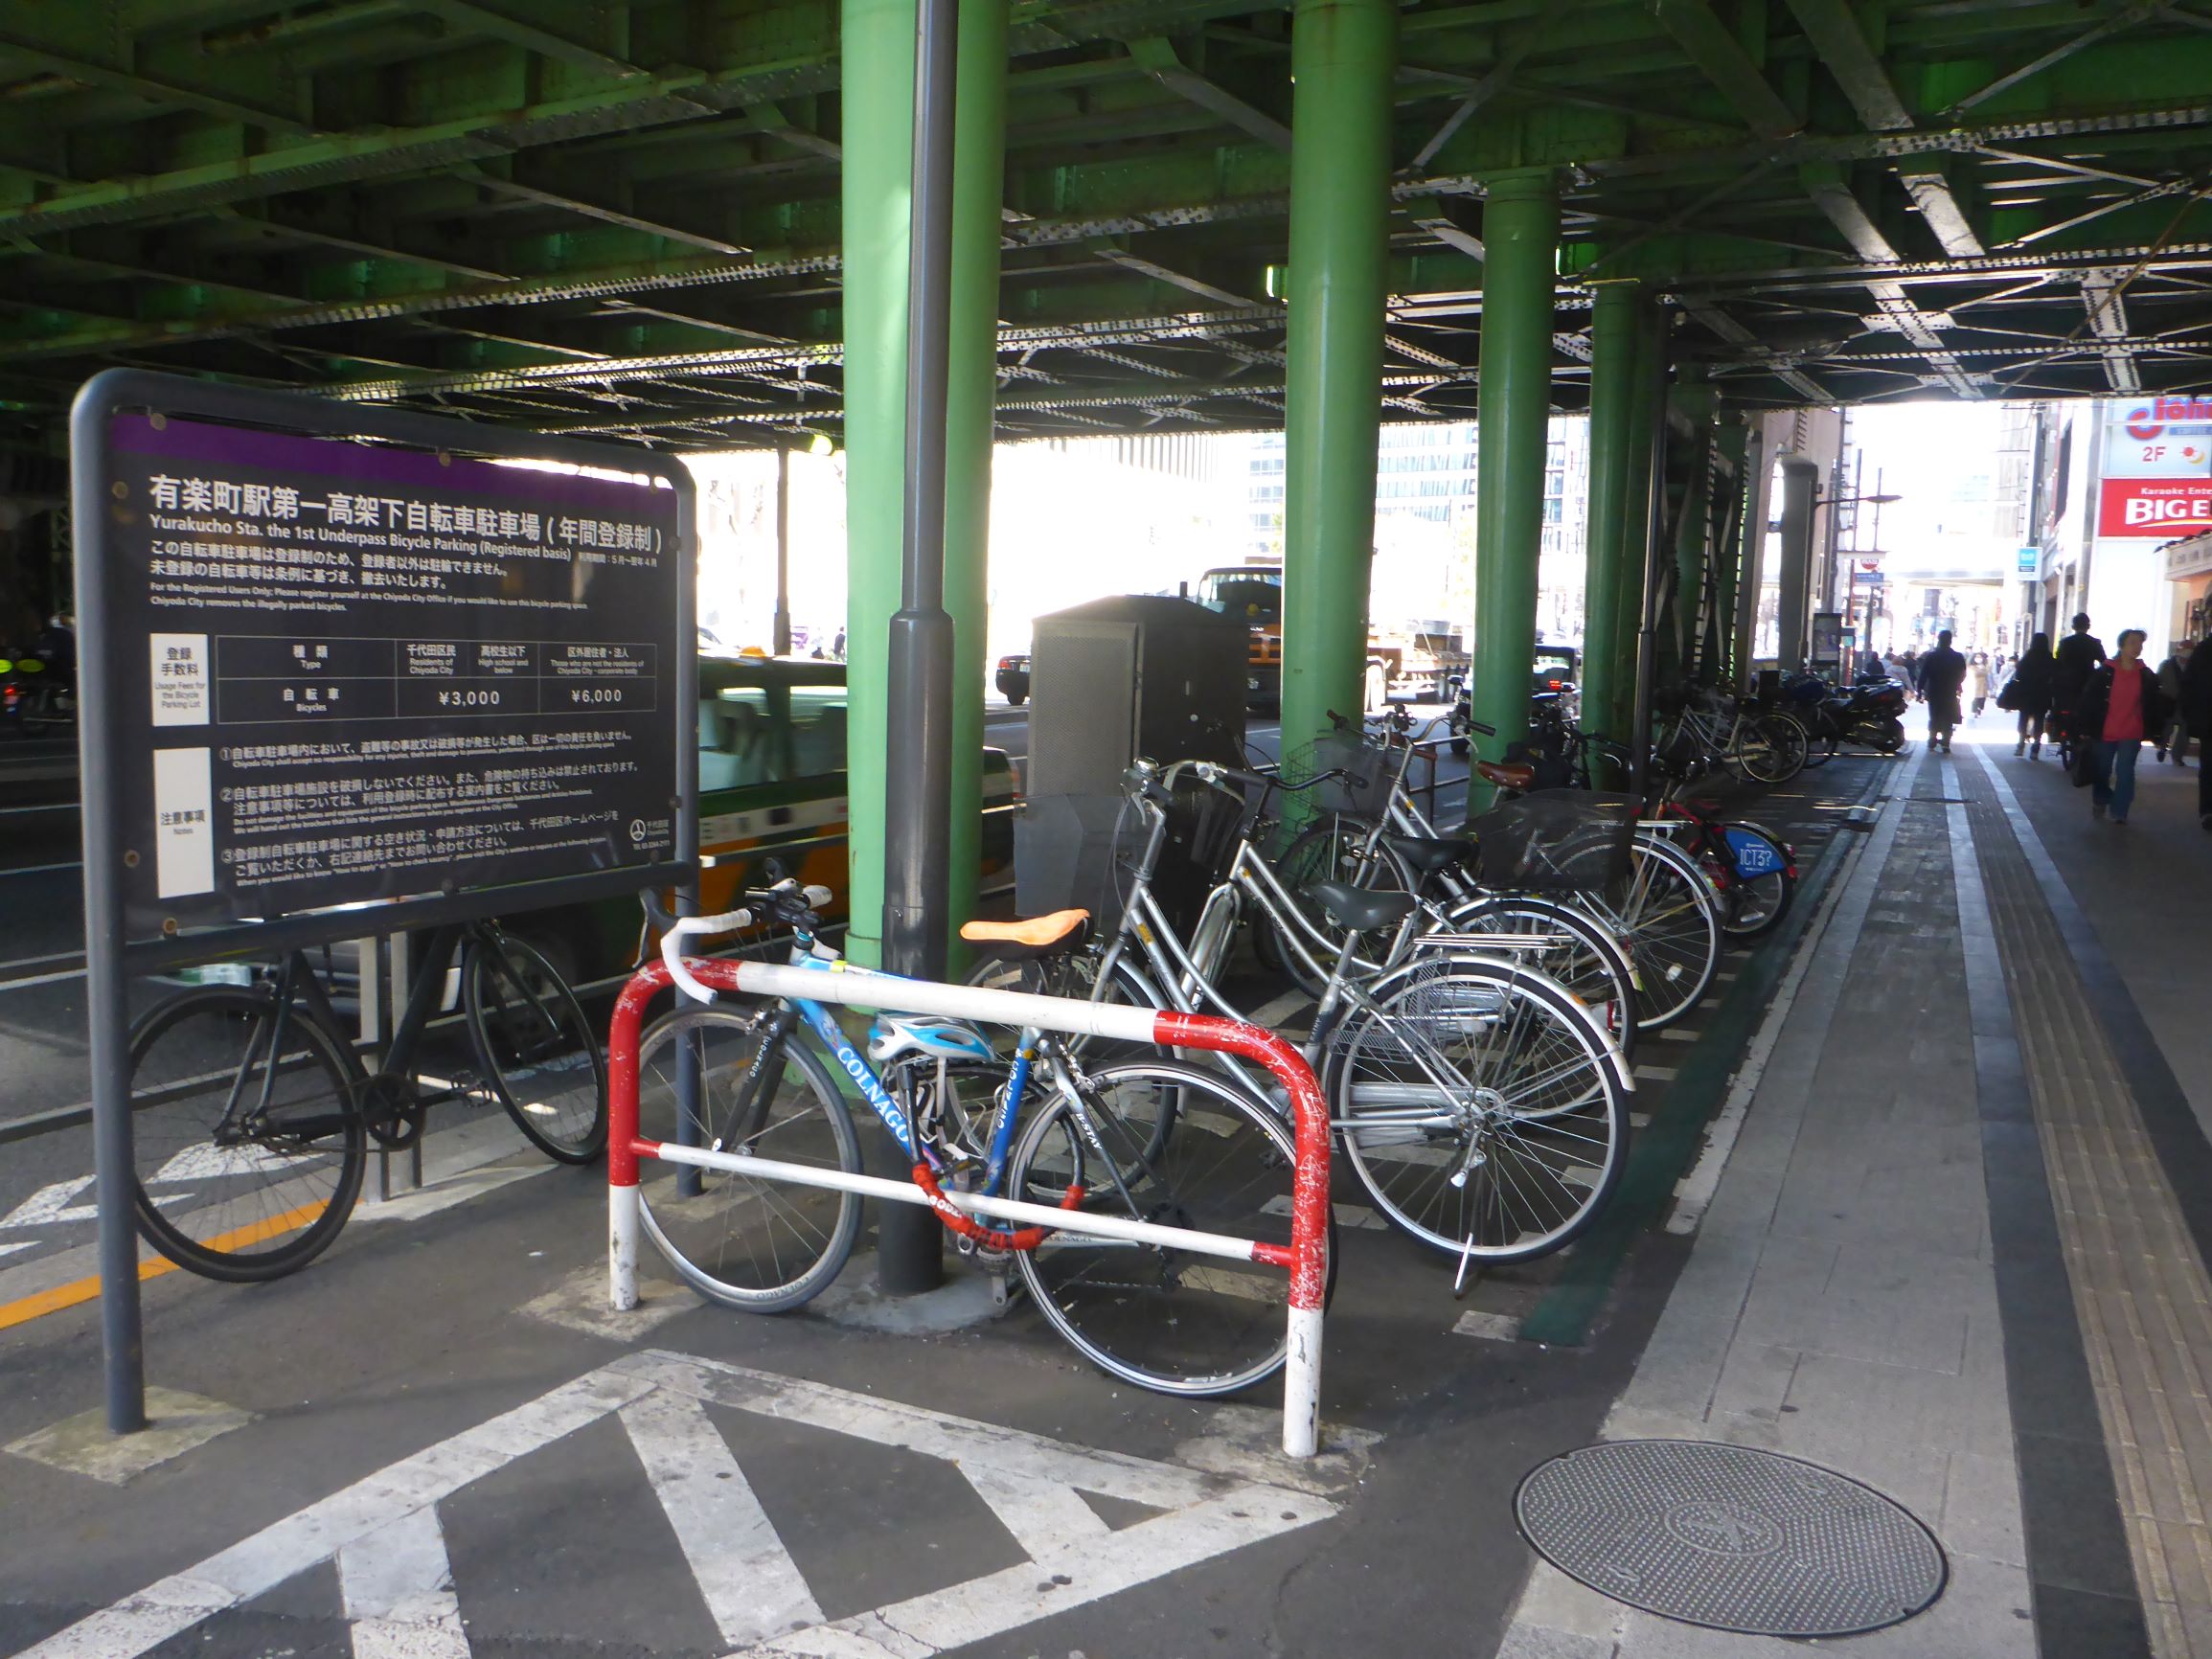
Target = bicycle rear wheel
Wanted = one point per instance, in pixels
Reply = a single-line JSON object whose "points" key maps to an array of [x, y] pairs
{"points": [[1163, 1319], [539, 1055], [1482, 1108], [1587, 960], [241, 1170], [747, 1241]]}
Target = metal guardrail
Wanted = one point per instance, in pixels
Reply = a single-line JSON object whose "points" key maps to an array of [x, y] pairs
{"points": [[1306, 1257]]}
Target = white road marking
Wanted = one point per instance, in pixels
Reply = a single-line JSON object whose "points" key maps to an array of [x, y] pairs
{"points": [[398, 1587], [1282, 1007], [384, 1551], [41, 869], [76, 955], [25, 1245], [750, 1583], [1228, 1282], [1030, 1508], [1657, 1074], [30, 980], [1675, 1033], [51, 1204]]}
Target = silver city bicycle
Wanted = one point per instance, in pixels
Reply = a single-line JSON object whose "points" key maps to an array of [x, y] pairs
{"points": [[1481, 1103]]}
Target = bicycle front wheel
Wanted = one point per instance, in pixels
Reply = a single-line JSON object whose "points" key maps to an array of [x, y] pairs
{"points": [[1482, 1108], [539, 1055], [1332, 847], [755, 1243], [247, 1144], [1666, 916], [1769, 749], [1164, 1318]]}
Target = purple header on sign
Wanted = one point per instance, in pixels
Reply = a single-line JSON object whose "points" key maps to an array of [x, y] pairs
{"points": [[195, 441]]}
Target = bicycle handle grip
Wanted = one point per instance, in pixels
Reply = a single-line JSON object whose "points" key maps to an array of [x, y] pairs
{"points": [[1488, 731]]}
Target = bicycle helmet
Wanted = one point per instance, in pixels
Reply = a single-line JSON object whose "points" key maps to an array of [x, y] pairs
{"points": [[892, 1037]]}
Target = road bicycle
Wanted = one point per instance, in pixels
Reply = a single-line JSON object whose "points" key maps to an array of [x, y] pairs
{"points": [[1482, 1105], [1149, 1139], [253, 1113]]}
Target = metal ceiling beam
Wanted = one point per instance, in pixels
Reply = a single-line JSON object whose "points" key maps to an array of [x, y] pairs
{"points": [[1733, 332], [591, 210], [1723, 62], [2104, 296], [158, 90], [2126, 17], [1850, 57], [1157, 57], [1144, 267], [1849, 215], [506, 23]]}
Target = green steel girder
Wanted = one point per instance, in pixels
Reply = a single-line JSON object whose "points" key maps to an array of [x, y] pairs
{"points": [[522, 188]]}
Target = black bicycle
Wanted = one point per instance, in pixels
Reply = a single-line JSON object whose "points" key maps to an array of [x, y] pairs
{"points": [[253, 1113]]}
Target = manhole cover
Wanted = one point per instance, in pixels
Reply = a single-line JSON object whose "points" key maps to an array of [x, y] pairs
{"points": [[1730, 1538]]}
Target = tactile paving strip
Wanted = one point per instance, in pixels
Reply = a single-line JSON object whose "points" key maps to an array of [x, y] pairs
{"points": [[1730, 1537]]}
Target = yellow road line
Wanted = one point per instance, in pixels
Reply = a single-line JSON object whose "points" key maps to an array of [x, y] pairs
{"points": [[75, 1294]]}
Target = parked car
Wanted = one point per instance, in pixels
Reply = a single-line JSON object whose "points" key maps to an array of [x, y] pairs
{"points": [[772, 738], [1012, 679]]}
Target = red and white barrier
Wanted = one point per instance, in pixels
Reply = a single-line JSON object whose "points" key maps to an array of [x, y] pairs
{"points": [[1306, 1257]]}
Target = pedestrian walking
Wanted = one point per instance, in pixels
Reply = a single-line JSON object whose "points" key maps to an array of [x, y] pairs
{"points": [[1977, 681], [2028, 694], [2117, 710], [2079, 655], [2173, 736], [2197, 709], [1942, 673]]}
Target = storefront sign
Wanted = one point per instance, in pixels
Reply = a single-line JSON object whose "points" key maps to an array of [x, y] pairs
{"points": [[2154, 508], [2157, 467]]}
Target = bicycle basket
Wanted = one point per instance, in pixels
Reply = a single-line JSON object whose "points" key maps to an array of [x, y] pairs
{"points": [[1364, 790], [1553, 841]]}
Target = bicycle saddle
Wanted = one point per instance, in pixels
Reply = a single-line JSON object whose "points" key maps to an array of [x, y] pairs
{"points": [[1032, 936], [1516, 778], [1360, 908], [1424, 856]]}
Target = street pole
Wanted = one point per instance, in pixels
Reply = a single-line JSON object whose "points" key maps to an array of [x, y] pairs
{"points": [[918, 783], [1655, 529], [782, 639]]}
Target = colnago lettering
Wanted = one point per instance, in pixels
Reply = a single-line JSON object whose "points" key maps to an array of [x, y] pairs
{"points": [[857, 1068]]}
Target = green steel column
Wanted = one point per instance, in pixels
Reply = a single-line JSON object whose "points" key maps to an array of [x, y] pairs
{"points": [[1732, 443], [1636, 521], [1693, 528], [1609, 634], [878, 163], [978, 199], [1520, 224], [1343, 53]]}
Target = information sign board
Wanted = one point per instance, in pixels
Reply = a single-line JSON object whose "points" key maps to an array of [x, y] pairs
{"points": [[342, 670]]}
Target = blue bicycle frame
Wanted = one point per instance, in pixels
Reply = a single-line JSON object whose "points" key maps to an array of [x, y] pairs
{"points": [[854, 1065]]}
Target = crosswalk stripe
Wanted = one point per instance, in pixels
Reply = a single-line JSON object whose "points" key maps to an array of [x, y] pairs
{"points": [[752, 1586], [397, 1588], [1033, 1509]]}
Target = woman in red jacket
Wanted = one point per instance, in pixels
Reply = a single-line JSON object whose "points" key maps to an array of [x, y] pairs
{"points": [[2119, 706]]}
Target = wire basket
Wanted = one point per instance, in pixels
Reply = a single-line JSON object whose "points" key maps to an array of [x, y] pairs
{"points": [[1370, 774], [1553, 841]]}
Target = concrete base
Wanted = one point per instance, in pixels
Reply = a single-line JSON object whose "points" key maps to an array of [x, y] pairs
{"points": [[965, 1299], [579, 1303], [177, 1423], [1246, 1442]]}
